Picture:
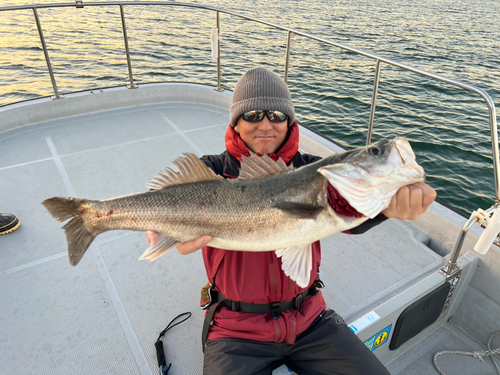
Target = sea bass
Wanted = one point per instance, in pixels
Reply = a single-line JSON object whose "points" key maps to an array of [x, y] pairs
{"points": [[269, 207]]}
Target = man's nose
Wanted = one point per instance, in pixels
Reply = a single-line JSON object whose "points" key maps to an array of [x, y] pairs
{"points": [[265, 124]]}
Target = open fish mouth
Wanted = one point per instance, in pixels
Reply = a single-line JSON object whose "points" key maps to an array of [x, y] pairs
{"points": [[402, 155], [404, 151]]}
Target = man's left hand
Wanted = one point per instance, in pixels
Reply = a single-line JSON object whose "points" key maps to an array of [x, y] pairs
{"points": [[410, 201]]}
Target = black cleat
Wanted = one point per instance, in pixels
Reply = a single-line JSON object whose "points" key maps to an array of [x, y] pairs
{"points": [[8, 223]]}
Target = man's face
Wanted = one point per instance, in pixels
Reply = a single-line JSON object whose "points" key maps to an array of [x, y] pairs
{"points": [[263, 137]]}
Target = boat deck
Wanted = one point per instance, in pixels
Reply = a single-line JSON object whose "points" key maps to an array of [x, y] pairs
{"points": [[103, 316]]}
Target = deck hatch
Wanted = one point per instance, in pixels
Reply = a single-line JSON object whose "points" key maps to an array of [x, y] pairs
{"points": [[419, 315]]}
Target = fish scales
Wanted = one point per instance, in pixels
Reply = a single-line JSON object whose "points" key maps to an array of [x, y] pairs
{"points": [[285, 212], [215, 206]]}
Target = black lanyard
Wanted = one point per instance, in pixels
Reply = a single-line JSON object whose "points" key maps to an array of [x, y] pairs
{"points": [[160, 353]]}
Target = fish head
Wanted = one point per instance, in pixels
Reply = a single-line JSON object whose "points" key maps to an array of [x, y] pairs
{"points": [[368, 177]]}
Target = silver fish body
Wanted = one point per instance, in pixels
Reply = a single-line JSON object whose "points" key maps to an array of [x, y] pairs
{"points": [[268, 208]]}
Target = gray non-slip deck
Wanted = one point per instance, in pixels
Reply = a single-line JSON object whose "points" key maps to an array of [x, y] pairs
{"points": [[103, 316], [419, 360]]}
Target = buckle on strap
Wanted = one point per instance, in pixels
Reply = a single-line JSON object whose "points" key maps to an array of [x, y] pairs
{"points": [[275, 310], [235, 305], [297, 301]]}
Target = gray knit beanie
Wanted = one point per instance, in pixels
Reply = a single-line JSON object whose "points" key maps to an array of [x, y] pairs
{"points": [[261, 89]]}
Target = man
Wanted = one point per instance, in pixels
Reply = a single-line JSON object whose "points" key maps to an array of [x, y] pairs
{"points": [[259, 318]]}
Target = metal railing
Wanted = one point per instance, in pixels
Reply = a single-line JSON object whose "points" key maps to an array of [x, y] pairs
{"points": [[290, 32]]}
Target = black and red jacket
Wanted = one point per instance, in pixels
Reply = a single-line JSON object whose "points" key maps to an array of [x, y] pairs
{"points": [[257, 277]]}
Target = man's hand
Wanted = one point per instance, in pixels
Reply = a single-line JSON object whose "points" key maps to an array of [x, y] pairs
{"points": [[194, 245], [183, 248], [410, 201]]}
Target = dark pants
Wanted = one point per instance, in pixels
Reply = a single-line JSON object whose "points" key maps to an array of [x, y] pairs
{"points": [[328, 346]]}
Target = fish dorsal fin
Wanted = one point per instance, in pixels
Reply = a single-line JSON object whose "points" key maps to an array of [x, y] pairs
{"points": [[255, 166], [191, 169]]}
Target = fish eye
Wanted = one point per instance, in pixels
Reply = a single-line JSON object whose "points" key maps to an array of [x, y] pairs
{"points": [[374, 150]]}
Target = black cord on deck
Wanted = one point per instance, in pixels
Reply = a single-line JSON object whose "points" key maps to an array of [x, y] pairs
{"points": [[160, 353]]}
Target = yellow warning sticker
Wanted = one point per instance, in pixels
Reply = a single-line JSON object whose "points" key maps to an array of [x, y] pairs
{"points": [[380, 338]]}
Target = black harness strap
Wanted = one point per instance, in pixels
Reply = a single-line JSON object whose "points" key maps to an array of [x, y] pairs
{"points": [[207, 323], [269, 308], [256, 308]]}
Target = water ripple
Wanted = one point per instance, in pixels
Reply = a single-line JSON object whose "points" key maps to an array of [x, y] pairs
{"points": [[331, 89]]}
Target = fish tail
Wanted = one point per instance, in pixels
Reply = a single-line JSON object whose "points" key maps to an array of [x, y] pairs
{"points": [[79, 237], [63, 209]]}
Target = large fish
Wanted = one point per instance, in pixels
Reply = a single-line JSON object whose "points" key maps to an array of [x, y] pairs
{"points": [[269, 207]]}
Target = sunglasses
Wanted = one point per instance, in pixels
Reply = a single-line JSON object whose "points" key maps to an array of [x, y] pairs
{"points": [[256, 116]]}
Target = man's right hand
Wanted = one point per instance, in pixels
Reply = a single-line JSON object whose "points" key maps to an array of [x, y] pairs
{"points": [[183, 248]]}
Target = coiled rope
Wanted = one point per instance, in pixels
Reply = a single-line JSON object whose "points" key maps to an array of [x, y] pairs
{"points": [[476, 355]]}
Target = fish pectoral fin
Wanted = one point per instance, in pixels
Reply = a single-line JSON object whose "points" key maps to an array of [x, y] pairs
{"points": [[191, 169], [296, 263], [300, 210], [256, 167], [163, 245]]}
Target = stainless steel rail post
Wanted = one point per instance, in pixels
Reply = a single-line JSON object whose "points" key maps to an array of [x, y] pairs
{"points": [[287, 60], [451, 268], [494, 144], [127, 51], [476, 217], [47, 59], [219, 88], [374, 103]]}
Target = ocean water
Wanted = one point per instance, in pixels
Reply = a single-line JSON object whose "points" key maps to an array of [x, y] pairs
{"points": [[447, 127]]}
